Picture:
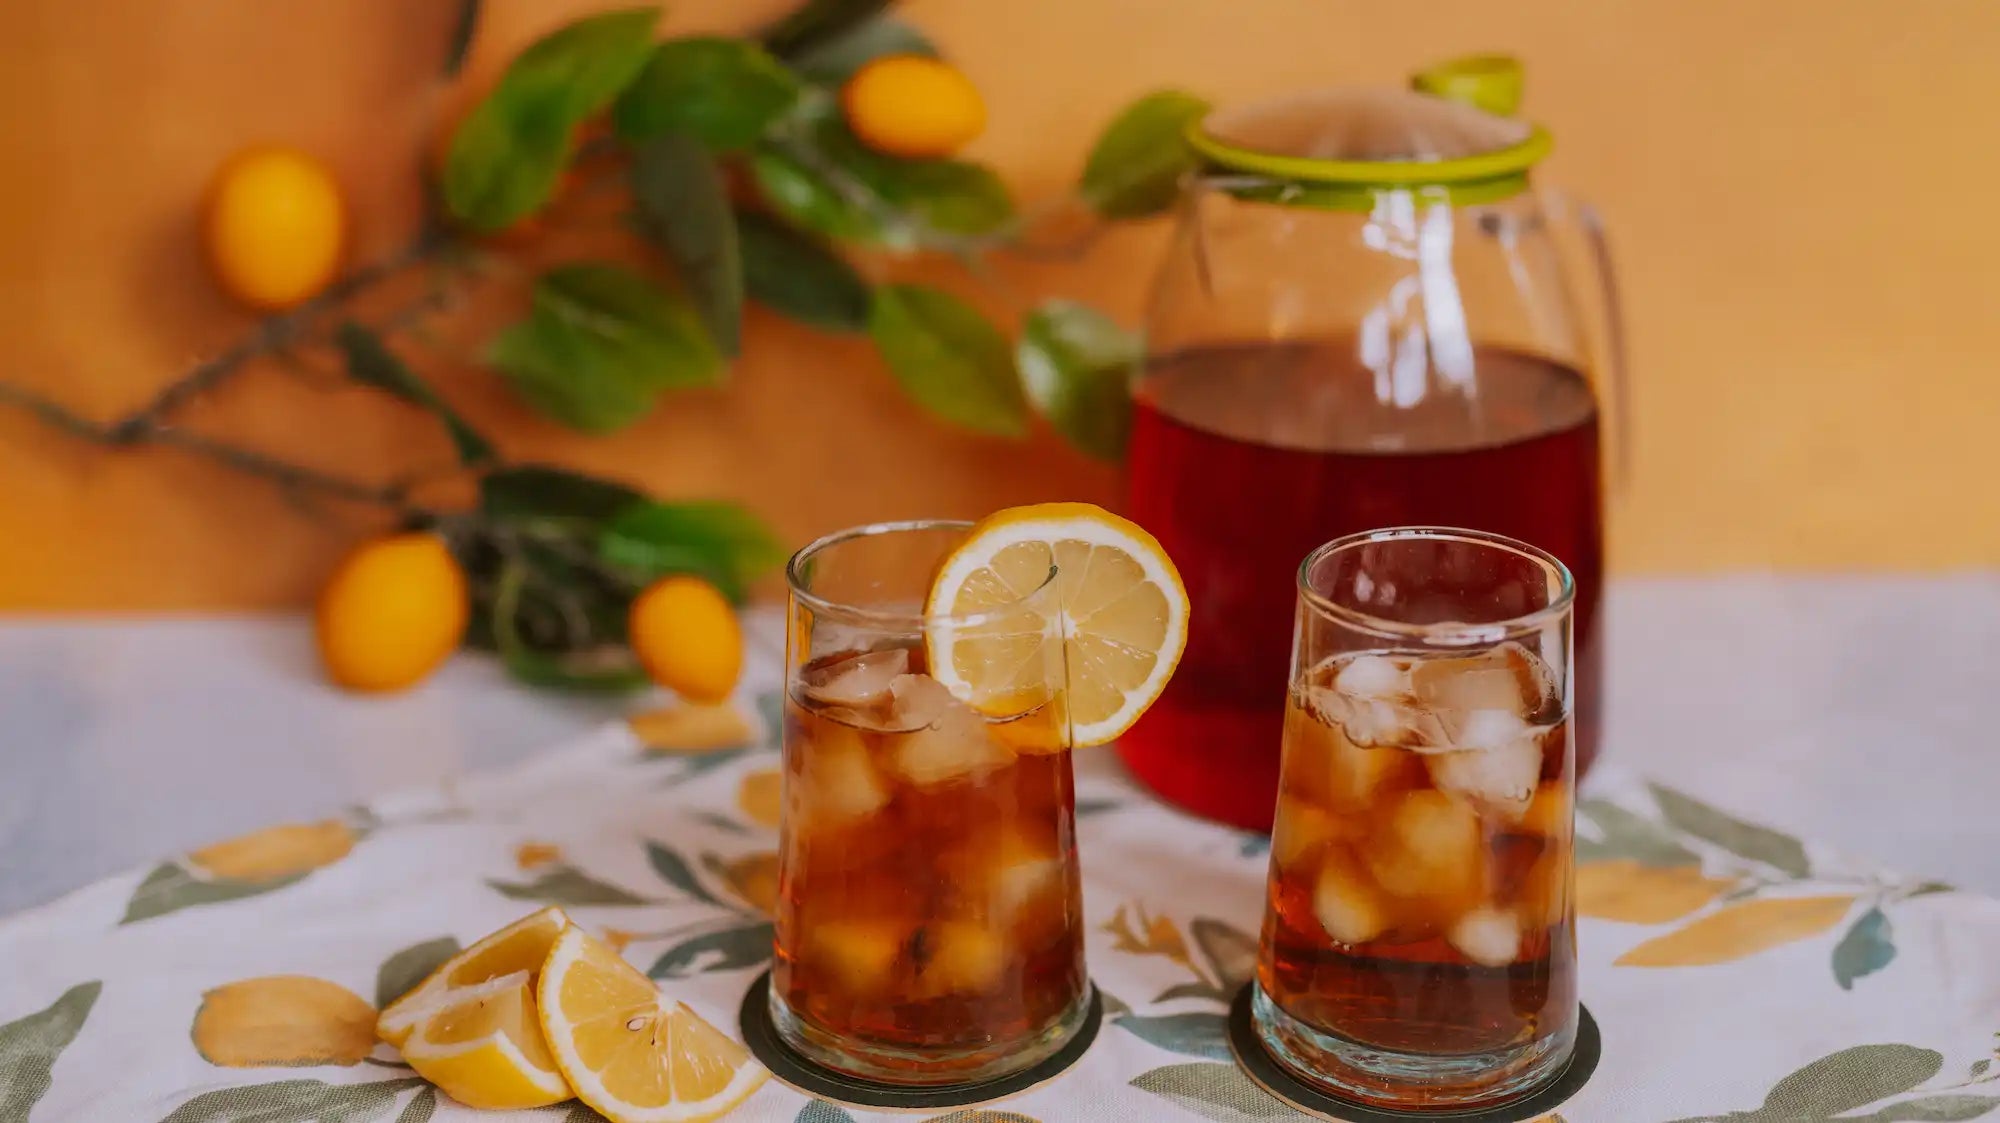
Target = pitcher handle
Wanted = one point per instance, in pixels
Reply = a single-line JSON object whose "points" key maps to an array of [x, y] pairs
{"points": [[1612, 315]]}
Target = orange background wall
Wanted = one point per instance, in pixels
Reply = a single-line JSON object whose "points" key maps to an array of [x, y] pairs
{"points": [[1799, 190]]}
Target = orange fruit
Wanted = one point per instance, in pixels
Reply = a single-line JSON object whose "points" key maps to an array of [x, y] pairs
{"points": [[274, 227], [913, 106], [393, 611], [685, 634]]}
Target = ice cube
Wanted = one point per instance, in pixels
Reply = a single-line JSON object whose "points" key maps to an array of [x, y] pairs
{"points": [[1549, 813], [1323, 763], [1502, 779], [1301, 827], [1021, 871], [959, 957], [1482, 729], [1348, 907], [861, 681], [944, 739], [1431, 846], [860, 954], [1376, 722], [1488, 936], [1373, 676], [842, 783], [1506, 678]]}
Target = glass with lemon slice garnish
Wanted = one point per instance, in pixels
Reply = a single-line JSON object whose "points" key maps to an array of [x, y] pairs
{"points": [[930, 920]]}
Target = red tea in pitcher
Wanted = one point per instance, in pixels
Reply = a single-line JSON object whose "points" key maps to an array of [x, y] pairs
{"points": [[1245, 458]]}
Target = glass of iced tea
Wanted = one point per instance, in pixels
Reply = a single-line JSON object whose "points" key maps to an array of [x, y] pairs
{"points": [[1419, 949], [929, 916]]}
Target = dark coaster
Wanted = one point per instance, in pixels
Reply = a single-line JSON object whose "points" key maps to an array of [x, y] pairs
{"points": [[1273, 1077], [806, 1076]]}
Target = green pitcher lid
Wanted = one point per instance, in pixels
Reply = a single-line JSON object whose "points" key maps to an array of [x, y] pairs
{"points": [[1340, 147]]}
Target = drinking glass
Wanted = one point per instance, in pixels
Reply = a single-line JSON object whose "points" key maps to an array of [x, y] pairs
{"points": [[929, 925], [1419, 948]]}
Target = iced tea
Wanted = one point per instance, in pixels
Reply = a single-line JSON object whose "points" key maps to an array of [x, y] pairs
{"points": [[929, 919], [1419, 946]]}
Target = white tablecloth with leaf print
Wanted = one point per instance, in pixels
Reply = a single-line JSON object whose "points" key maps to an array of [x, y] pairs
{"points": [[1736, 972]]}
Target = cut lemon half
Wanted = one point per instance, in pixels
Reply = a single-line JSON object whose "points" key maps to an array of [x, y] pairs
{"points": [[1123, 613], [519, 947], [486, 1049], [629, 1051]]}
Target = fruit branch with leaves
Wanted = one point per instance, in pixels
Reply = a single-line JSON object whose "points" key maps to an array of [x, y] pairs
{"points": [[754, 167]]}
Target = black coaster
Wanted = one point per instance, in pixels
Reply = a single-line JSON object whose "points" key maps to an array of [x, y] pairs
{"points": [[805, 1076], [1273, 1078]]}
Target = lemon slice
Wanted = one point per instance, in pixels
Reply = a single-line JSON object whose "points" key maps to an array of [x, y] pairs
{"points": [[519, 947], [486, 1049], [1124, 614], [631, 1052]]}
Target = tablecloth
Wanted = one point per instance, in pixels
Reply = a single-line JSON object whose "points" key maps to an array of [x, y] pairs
{"points": [[1737, 972]]}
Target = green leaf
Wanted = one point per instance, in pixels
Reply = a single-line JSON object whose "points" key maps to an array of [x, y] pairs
{"points": [[171, 888], [826, 181], [421, 1107], [567, 885], [30, 1045], [683, 208], [599, 344], [1867, 947], [721, 542], [1759, 844], [369, 361], [295, 1101], [508, 154], [1850, 1079], [1214, 1091], [1931, 1109], [543, 491], [799, 276], [1076, 364], [1230, 951], [723, 92], [816, 21], [1135, 168], [948, 358], [401, 972], [1197, 1035], [1626, 835], [728, 950], [675, 870], [832, 60]]}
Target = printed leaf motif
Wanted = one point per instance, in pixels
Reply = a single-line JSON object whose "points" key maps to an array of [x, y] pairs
{"points": [[1096, 806], [1931, 1109], [1198, 1035], [835, 58], [1738, 931], [369, 361], [694, 767], [760, 796], [295, 1101], [949, 358], [981, 1115], [510, 151], [1626, 891], [1231, 952], [719, 541], [1215, 1091], [1867, 947], [1114, 1006], [674, 868], [731, 949], [723, 92], [1076, 364], [30, 1045], [401, 972], [580, 1112], [820, 1111], [1204, 990], [1850, 1079], [421, 1107], [1135, 167], [171, 888], [798, 276], [1759, 844], [691, 727], [566, 885], [683, 208], [752, 877], [771, 707], [1626, 835], [1150, 935], [275, 852], [288, 1021]]}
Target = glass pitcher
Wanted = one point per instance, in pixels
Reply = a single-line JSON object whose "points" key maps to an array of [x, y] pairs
{"points": [[1368, 318]]}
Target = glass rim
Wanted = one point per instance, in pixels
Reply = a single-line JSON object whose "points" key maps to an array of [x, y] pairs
{"points": [[1448, 633], [885, 619]]}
